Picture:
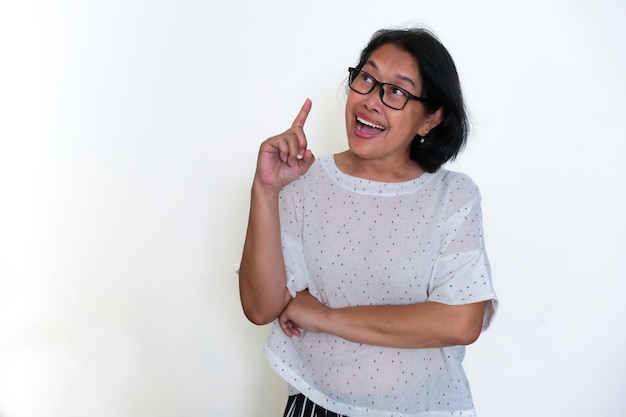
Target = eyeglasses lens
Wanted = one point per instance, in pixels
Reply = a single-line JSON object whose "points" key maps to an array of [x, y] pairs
{"points": [[392, 95]]}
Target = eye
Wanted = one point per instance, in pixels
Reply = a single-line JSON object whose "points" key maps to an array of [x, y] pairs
{"points": [[397, 91], [366, 78]]}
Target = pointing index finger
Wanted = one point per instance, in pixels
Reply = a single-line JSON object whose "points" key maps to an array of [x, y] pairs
{"points": [[303, 114]]}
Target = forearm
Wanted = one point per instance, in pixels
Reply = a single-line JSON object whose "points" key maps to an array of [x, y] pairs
{"points": [[262, 277], [423, 325]]}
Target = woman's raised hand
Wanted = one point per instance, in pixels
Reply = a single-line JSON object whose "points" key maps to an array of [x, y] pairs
{"points": [[285, 157]]}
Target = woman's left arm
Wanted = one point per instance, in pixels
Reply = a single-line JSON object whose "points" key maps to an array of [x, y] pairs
{"points": [[422, 325]]}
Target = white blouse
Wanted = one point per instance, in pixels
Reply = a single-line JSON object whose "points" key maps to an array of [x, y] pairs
{"points": [[353, 242]]}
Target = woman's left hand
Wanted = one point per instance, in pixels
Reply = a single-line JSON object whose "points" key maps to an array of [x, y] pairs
{"points": [[304, 312]]}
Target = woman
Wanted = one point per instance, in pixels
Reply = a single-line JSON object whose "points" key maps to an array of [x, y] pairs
{"points": [[371, 262]]}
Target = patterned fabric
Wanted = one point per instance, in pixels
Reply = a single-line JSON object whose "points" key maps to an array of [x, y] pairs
{"points": [[300, 406]]}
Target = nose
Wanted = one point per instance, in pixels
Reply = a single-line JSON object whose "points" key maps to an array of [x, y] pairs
{"points": [[374, 99]]}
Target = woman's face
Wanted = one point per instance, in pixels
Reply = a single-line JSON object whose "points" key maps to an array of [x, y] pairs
{"points": [[376, 131]]}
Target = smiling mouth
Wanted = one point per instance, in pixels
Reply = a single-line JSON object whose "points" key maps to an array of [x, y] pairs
{"points": [[369, 126]]}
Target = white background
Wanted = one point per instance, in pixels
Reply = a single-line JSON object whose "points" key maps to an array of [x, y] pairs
{"points": [[128, 139]]}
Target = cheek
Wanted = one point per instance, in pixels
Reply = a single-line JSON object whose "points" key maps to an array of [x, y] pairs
{"points": [[414, 123], [408, 125], [347, 112], [351, 102], [351, 99], [348, 117]]}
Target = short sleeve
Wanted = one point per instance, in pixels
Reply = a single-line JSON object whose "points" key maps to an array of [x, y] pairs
{"points": [[462, 274]]}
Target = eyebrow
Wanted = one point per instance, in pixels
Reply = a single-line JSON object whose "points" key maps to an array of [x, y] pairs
{"points": [[399, 76]]}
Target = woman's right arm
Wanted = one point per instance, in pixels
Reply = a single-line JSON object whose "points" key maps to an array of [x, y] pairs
{"points": [[262, 275]]}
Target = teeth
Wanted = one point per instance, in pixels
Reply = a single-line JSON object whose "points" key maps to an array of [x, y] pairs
{"points": [[365, 122]]}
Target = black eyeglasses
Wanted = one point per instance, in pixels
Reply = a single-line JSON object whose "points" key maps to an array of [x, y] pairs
{"points": [[391, 95]]}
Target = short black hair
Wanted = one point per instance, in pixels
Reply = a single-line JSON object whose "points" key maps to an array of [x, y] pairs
{"points": [[440, 84]]}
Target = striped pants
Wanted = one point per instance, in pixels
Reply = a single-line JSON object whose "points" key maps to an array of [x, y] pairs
{"points": [[300, 406]]}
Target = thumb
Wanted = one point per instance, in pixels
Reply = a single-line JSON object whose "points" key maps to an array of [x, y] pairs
{"points": [[307, 159]]}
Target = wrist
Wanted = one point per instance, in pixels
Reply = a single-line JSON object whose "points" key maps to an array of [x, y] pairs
{"points": [[260, 189], [327, 320]]}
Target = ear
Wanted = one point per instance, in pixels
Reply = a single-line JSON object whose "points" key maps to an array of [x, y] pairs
{"points": [[432, 120]]}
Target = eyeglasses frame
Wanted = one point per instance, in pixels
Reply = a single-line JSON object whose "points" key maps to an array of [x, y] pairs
{"points": [[355, 71]]}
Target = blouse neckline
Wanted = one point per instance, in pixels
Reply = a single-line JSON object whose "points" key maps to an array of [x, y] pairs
{"points": [[365, 186]]}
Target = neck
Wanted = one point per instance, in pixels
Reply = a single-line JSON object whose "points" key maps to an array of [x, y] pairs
{"points": [[376, 169]]}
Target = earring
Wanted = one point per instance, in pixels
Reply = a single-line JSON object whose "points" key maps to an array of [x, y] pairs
{"points": [[423, 138]]}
